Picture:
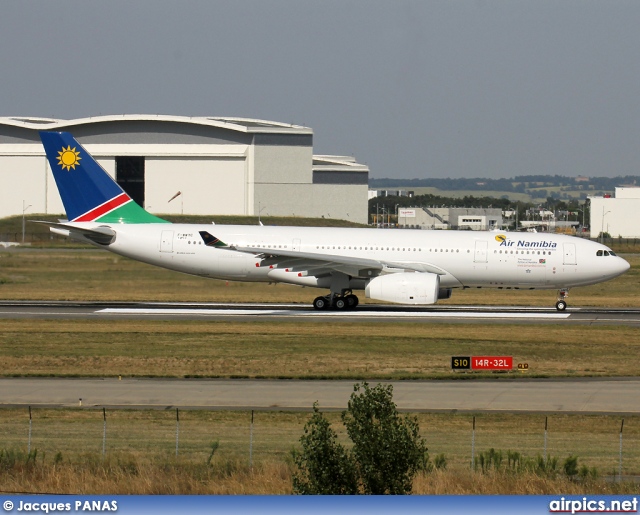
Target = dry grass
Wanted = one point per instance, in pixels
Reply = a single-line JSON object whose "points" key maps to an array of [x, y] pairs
{"points": [[465, 482], [173, 348], [127, 474]]}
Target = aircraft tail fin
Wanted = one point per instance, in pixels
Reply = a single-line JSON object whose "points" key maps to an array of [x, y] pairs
{"points": [[88, 192]]}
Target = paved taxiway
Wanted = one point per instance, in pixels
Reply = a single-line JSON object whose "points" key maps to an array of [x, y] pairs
{"points": [[281, 312], [619, 396]]}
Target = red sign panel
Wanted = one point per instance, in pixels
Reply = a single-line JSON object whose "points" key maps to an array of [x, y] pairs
{"points": [[491, 362]]}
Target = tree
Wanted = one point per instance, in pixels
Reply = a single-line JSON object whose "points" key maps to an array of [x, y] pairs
{"points": [[387, 449], [324, 466]]}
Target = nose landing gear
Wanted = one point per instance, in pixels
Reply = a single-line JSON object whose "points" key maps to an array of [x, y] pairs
{"points": [[561, 305]]}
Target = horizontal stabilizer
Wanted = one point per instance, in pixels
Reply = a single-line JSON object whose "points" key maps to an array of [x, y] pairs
{"points": [[100, 235]]}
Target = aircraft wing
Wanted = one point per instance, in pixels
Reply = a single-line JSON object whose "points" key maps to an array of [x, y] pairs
{"points": [[298, 260], [100, 235]]}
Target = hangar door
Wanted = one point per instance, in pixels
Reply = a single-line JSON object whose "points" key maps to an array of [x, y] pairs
{"points": [[130, 177], [208, 185]]}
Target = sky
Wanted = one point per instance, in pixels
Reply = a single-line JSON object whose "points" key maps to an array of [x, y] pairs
{"points": [[413, 89]]}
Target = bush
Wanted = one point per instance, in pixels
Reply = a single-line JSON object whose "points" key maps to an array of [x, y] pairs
{"points": [[387, 449], [324, 466], [571, 466]]}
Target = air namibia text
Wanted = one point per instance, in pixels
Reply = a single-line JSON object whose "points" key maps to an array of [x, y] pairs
{"points": [[529, 244]]}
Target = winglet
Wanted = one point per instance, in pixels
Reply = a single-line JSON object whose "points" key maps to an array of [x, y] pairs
{"points": [[212, 241]]}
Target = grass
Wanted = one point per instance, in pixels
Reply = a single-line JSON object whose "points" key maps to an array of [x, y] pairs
{"points": [[429, 190], [140, 451], [130, 474], [263, 349]]}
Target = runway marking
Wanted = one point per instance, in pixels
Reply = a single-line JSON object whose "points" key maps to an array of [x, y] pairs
{"points": [[377, 314]]}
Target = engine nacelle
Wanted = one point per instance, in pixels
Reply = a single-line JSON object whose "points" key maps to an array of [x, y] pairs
{"points": [[405, 288]]}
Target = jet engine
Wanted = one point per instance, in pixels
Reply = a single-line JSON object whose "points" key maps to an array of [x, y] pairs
{"points": [[405, 288]]}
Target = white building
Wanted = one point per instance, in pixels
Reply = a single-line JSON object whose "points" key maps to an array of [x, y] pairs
{"points": [[224, 166], [460, 218], [618, 215]]}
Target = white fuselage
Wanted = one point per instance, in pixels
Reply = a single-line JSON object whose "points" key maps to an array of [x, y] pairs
{"points": [[464, 258]]}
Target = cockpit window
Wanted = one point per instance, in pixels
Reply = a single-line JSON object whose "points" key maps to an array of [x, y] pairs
{"points": [[606, 253], [612, 253], [599, 253]]}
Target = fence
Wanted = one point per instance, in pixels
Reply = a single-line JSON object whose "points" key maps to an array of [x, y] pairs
{"points": [[603, 442]]}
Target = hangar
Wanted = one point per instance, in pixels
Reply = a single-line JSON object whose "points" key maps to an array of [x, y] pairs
{"points": [[189, 165], [617, 215]]}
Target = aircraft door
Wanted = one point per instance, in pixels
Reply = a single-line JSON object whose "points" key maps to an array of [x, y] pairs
{"points": [[166, 241], [295, 245], [480, 255], [569, 254]]}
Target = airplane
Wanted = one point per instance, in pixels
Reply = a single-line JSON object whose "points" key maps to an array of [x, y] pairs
{"points": [[414, 267]]}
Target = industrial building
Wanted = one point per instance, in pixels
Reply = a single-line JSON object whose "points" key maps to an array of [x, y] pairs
{"points": [[462, 218], [618, 215], [185, 165]]}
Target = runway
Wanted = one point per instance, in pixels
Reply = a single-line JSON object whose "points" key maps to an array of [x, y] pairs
{"points": [[292, 312], [603, 396]]}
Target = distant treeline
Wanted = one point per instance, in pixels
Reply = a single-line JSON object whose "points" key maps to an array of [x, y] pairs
{"points": [[391, 202], [518, 184]]}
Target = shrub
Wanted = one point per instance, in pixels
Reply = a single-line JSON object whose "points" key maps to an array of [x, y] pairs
{"points": [[387, 449]]}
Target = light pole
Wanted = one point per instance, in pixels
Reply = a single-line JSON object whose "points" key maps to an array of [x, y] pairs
{"points": [[602, 228], [260, 209], [23, 222]]}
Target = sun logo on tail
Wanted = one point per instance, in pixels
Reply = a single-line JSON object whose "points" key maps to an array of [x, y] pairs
{"points": [[68, 158]]}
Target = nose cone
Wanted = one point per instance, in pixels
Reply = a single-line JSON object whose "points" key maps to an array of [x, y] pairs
{"points": [[622, 266], [615, 267]]}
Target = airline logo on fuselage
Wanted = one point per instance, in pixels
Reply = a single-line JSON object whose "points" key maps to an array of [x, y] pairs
{"points": [[525, 244]]}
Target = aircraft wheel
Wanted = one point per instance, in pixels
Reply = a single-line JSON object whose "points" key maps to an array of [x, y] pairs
{"points": [[320, 303], [352, 301], [561, 305], [340, 303]]}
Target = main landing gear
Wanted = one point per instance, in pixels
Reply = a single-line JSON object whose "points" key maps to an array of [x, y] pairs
{"points": [[340, 302], [561, 305]]}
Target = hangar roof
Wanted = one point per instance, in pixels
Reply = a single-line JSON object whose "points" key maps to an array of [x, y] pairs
{"points": [[246, 125], [338, 163]]}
